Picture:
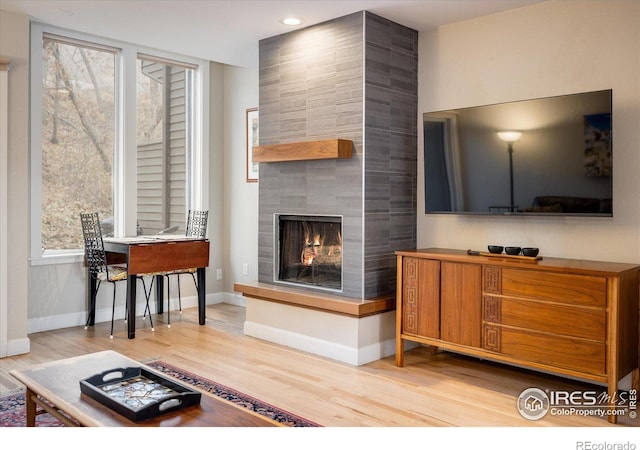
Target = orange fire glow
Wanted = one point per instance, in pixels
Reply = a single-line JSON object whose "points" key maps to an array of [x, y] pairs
{"points": [[317, 248]]}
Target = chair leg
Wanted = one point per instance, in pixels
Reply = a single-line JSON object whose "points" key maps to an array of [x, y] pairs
{"points": [[195, 282], [180, 291], [92, 305], [179, 297], [113, 310], [147, 295]]}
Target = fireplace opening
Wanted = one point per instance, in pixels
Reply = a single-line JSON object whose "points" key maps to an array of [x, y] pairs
{"points": [[310, 250]]}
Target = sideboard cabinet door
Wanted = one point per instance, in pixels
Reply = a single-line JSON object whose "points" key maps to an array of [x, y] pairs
{"points": [[421, 297], [461, 303]]}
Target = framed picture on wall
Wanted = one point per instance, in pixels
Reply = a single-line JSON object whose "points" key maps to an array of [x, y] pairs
{"points": [[252, 141]]}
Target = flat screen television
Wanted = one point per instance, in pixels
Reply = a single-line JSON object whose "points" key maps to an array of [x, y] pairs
{"points": [[557, 160]]}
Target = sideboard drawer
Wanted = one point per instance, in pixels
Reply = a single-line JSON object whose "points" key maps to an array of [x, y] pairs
{"points": [[568, 353], [580, 290], [546, 317]]}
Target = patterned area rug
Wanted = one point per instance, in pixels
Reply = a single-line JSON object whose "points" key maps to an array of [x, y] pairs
{"points": [[244, 400], [13, 411], [14, 414]]}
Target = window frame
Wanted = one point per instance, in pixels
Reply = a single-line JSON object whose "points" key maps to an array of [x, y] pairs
{"points": [[125, 154]]}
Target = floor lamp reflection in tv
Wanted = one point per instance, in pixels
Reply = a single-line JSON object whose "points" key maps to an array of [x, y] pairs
{"points": [[510, 137]]}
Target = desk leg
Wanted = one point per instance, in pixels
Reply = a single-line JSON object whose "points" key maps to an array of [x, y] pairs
{"points": [[91, 299], [159, 294], [202, 290], [31, 408], [132, 281]]}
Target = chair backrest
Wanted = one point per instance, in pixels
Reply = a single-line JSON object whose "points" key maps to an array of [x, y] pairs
{"points": [[93, 244], [197, 223]]}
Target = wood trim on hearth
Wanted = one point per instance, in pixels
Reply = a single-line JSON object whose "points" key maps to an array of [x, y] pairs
{"points": [[319, 301]]}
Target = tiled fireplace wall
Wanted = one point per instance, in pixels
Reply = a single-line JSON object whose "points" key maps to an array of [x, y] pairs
{"points": [[351, 78]]}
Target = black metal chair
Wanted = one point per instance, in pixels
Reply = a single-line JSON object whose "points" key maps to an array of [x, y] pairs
{"points": [[99, 269], [196, 227]]}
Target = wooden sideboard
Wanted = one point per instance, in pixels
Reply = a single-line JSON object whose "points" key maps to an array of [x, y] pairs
{"points": [[569, 317]]}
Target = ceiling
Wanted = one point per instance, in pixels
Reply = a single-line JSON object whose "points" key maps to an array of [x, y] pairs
{"points": [[228, 31]]}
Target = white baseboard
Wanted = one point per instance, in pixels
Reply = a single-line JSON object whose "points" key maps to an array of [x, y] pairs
{"points": [[234, 299], [18, 346], [332, 350], [78, 319]]}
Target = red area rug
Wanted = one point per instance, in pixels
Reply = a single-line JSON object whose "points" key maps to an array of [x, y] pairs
{"points": [[13, 411], [14, 414]]}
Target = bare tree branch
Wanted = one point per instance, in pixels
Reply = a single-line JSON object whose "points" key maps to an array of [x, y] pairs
{"points": [[86, 124], [92, 76]]}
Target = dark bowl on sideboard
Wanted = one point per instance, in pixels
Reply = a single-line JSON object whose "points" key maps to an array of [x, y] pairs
{"points": [[512, 250], [495, 249]]}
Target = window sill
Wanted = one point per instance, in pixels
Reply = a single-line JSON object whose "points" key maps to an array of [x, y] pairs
{"points": [[50, 258]]}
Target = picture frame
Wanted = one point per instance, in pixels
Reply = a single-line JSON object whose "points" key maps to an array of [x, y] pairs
{"points": [[252, 135]]}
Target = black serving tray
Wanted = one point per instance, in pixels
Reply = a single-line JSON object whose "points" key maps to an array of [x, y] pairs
{"points": [[137, 393]]}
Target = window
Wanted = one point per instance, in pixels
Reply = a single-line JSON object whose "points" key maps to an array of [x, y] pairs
{"points": [[164, 116], [100, 108], [78, 138]]}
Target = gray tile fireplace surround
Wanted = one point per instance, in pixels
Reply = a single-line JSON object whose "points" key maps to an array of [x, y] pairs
{"points": [[351, 78]]}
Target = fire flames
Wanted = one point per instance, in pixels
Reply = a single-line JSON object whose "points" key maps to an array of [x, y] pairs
{"points": [[315, 248]]}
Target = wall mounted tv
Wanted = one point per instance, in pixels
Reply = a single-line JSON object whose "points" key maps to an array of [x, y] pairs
{"points": [[556, 160]]}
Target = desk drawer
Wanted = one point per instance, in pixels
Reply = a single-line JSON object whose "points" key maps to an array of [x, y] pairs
{"points": [[149, 258]]}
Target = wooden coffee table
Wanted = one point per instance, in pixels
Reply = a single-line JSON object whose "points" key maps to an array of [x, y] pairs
{"points": [[55, 387]]}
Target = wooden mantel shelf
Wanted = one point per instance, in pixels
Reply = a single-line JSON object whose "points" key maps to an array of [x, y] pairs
{"points": [[303, 151], [316, 300]]}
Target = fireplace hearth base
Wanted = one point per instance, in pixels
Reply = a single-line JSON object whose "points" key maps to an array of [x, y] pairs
{"points": [[341, 328]]}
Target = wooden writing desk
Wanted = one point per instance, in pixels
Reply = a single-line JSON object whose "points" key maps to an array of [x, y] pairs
{"points": [[155, 253], [57, 383]]}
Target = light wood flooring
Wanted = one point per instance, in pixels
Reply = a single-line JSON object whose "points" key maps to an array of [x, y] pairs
{"points": [[430, 391]]}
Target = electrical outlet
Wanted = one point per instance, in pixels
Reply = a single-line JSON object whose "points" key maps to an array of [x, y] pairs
{"points": [[219, 274], [245, 269]]}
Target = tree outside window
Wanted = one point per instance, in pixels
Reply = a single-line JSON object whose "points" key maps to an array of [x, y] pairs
{"points": [[78, 135]]}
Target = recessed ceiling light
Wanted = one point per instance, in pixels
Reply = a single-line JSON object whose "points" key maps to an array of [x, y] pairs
{"points": [[63, 12], [292, 21]]}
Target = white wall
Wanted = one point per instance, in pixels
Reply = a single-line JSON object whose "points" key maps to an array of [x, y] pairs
{"points": [[553, 48], [216, 218], [14, 44], [241, 198]]}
